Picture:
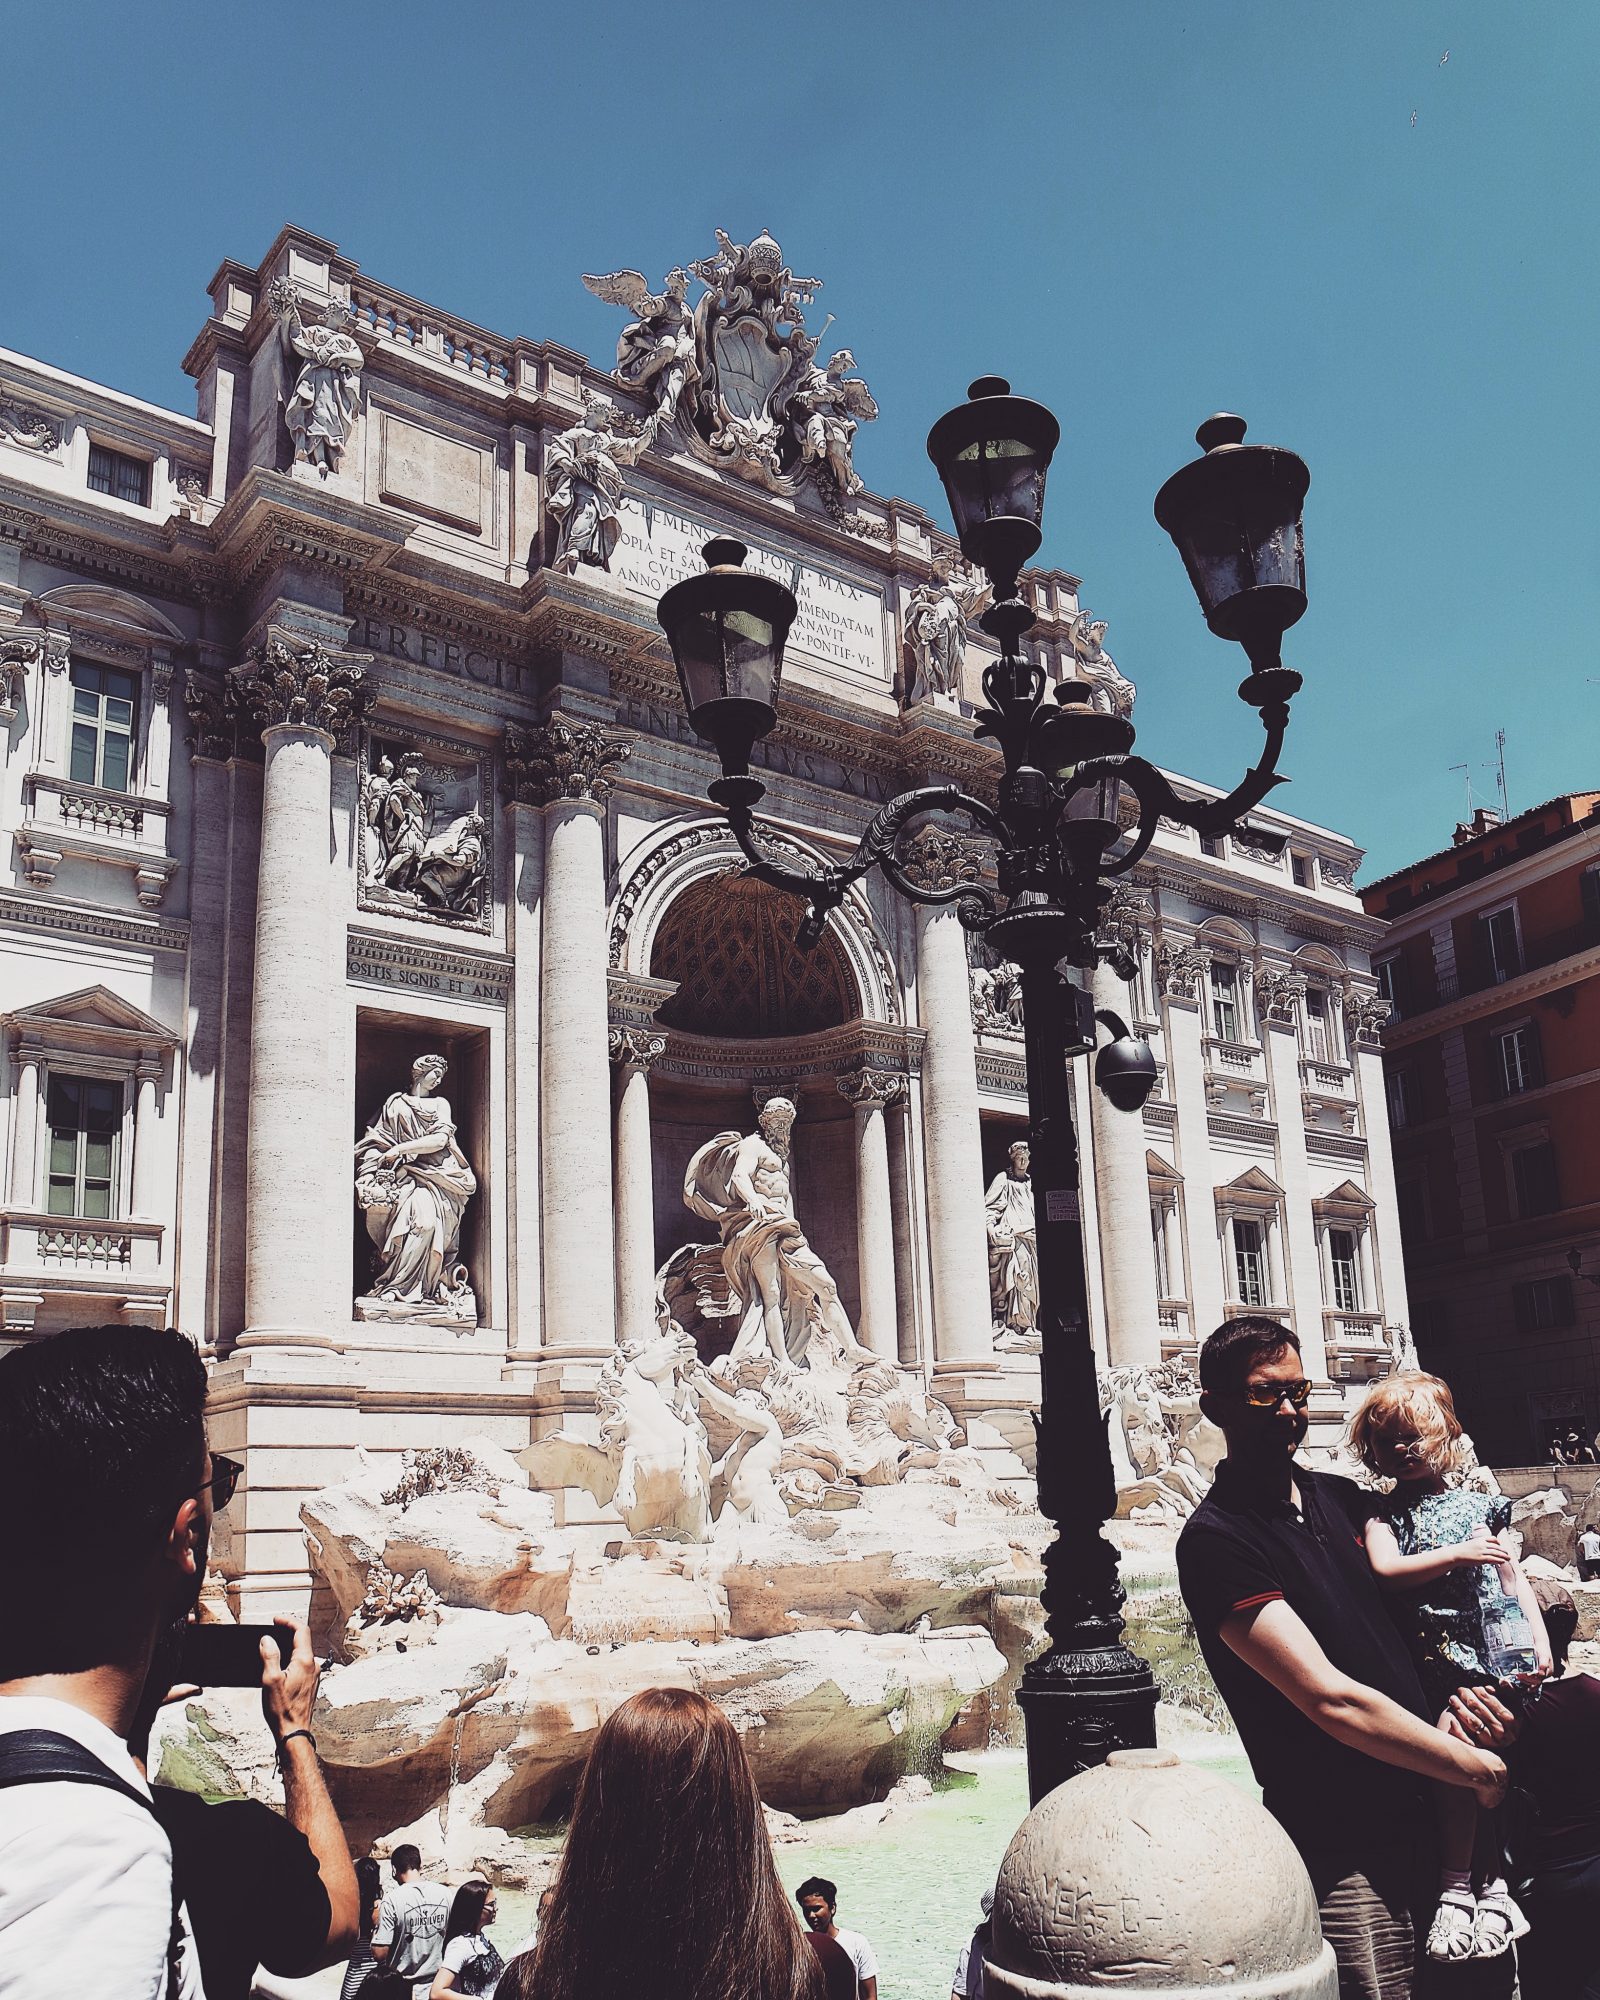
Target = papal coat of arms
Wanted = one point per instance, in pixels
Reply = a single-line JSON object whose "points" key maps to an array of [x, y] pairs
{"points": [[734, 376]]}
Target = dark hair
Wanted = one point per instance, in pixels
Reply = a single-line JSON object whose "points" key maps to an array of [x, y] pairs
{"points": [[102, 1439], [517, 1981], [466, 1910], [369, 1887], [405, 1858], [1237, 1345], [668, 1820], [818, 1885]]}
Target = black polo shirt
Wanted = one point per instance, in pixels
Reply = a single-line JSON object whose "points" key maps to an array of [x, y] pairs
{"points": [[1239, 1550]]}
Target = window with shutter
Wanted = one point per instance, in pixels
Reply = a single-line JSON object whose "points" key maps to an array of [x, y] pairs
{"points": [[1533, 1174], [1503, 952], [1517, 1060], [1537, 1303]]}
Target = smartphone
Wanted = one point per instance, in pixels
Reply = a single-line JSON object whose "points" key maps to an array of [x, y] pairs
{"points": [[224, 1655]]}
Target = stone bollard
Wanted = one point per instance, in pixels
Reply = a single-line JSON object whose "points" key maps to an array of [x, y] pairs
{"points": [[1150, 1875]]}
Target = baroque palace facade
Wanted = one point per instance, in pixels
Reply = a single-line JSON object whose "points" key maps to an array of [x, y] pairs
{"points": [[337, 731]]}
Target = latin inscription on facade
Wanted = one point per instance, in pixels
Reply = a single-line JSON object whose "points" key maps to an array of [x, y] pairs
{"points": [[840, 626], [396, 963], [653, 718], [433, 649]]}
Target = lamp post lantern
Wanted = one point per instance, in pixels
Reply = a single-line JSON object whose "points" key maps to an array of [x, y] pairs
{"points": [[1235, 517]]}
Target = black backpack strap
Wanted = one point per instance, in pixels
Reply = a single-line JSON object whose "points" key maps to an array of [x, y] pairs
{"points": [[44, 1757]]}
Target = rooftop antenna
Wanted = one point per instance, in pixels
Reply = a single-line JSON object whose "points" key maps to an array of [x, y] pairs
{"points": [[1466, 775], [1500, 748]]}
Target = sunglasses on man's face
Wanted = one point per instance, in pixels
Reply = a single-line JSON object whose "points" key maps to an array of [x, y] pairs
{"points": [[1268, 1395], [224, 1481]]}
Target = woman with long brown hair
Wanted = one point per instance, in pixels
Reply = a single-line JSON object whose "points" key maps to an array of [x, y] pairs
{"points": [[667, 1889]]}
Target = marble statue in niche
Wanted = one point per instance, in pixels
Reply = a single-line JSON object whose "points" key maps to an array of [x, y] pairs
{"points": [[584, 485], [787, 1294], [936, 630], [407, 864], [326, 396], [1013, 1252], [413, 1184]]}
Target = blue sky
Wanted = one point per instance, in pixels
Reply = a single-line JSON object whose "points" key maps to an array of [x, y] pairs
{"points": [[1139, 212]]}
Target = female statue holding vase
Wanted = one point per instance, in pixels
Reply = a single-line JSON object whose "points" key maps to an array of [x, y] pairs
{"points": [[413, 1183]]}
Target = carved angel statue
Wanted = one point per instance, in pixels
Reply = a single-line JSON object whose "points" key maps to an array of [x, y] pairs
{"points": [[656, 350], [829, 403], [1113, 692], [936, 629], [788, 1294], [327, 392], [584, 486]]}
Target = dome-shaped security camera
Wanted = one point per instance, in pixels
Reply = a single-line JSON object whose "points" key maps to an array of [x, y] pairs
{"points": [[1125, 1069]]}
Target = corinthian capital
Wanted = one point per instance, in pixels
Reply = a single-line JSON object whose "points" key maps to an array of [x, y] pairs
{"points": [[937, 857], [303, 687], [870, 1086], [562, 759]]}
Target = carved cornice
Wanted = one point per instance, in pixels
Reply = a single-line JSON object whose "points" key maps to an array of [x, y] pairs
{"points": [[301, 687], [1302, 916], [870, 1087], [562, 759], [636, 1048]]}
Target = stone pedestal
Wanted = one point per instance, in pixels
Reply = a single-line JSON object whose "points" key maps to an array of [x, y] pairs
{"points": [[869, 1091]]}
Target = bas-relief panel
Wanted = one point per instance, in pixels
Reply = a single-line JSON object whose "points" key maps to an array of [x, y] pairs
{"points": [[840, 625], [425, 834]]}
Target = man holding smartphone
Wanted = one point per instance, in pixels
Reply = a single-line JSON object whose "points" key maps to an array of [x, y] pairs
{"points": [[106, 1492]]}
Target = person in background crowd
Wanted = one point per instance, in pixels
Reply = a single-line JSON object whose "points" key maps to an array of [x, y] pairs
{"points": [[106, 1489], [1318, 1681], [1556, 1763], [409, 1941], [968, 1982], [667, 1888], [836, 1949], [261, 1888], [1577, 1452], [1556, 1454], [369, 1892], [1588, 1554], [470, 1963], [1436, 1549]]}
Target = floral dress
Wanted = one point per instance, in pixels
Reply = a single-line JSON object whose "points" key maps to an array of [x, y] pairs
{"points": [[1446, 1625]]}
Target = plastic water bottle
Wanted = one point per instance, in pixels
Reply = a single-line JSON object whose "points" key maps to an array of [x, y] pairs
{"points": [[1507, 1635]]}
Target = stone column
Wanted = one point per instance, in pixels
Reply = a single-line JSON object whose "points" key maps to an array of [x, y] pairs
{"points": [[565, 767], [1122, 1200], [297, 1276], [1180, 973], [869, 1090], [1384, 1254], [25, 1130], [963, 1332], [524, 924], [144, 1136], [633, 1050]]}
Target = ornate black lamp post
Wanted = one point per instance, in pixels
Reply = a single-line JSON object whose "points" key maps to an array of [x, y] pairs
{"points": [[1235, 517]]}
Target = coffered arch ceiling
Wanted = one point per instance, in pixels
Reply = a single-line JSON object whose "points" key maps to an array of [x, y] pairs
{"points": [[731, 944]]}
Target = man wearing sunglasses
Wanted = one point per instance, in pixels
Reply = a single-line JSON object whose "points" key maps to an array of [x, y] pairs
{"points": [[1314, 1672], [106, 1495]]}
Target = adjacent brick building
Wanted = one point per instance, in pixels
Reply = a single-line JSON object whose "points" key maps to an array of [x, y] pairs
{"points": [[1492, 1067]]}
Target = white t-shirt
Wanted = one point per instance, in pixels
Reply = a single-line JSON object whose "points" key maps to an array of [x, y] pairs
{"points": [[467, 1958], [1589, 1543], [85, 1877], [411, 1922], [859, 1953]]}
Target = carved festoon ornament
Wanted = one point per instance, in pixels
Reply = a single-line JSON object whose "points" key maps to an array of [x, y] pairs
{"points": [[870, 1086], [29, 428], [734, 376], [1113, 693], [1277, 990], [583, 470], [326, 396], [635, 1048], [937, 857], [300, 687], [1365, 1015], [562, 759], [1338, 870], [936, 629], [1179, 969]]}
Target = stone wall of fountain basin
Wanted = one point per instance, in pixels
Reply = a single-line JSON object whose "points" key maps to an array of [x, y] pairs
{"points": [[476, 1647]]}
